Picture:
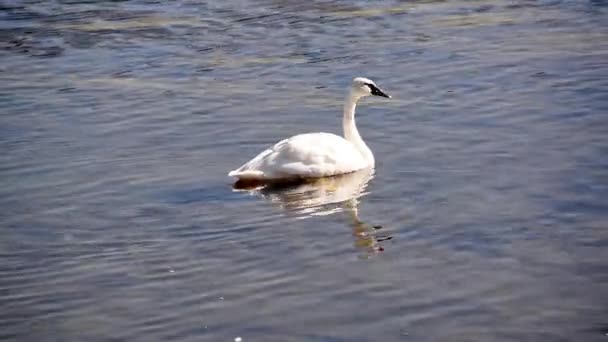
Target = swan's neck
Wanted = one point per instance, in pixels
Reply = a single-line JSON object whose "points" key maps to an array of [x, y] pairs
{"points": [[351, 133]]}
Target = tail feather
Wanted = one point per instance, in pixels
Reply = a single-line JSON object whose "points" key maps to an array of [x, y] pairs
{"points": [[246, 174]]}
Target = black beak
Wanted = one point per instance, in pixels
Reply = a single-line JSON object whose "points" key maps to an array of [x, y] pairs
{"points": [[377, 91]]}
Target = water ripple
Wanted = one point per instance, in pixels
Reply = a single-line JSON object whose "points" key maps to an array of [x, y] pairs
{"points": [[484, 219]]}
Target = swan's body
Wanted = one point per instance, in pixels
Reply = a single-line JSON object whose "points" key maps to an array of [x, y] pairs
{"points": [[315, 155], [308, 155]]}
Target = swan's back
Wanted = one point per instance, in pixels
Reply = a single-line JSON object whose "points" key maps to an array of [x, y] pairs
{"points": [[308, 155]]}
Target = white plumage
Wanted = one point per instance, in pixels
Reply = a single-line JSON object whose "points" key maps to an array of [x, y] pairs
{"points": [[315, 155], [309, 155]]}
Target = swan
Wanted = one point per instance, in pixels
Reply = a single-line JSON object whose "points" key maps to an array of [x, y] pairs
{"points": [[315, 155]]}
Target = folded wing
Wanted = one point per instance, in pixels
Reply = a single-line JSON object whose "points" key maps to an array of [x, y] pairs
{"points": [[303, 156]]}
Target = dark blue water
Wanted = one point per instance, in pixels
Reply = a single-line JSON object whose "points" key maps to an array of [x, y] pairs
{"points": [[486, 218]]}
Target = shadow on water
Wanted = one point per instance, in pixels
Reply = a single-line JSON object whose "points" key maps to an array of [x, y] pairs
{"points": [[326, 196]]}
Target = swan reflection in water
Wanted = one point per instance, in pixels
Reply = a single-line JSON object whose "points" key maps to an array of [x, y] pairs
{"points": [[325, 196]]}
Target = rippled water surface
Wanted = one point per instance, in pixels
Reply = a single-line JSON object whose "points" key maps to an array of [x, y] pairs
{"points": [[486, 218]]}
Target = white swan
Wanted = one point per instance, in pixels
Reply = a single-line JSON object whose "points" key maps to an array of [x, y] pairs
{"points": [[315, 155]]}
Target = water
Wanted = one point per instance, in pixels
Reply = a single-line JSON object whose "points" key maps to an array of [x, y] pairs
{"points": [[485, 219]]}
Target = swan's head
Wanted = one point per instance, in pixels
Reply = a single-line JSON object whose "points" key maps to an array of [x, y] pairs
{"points": [[365, 87]]}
